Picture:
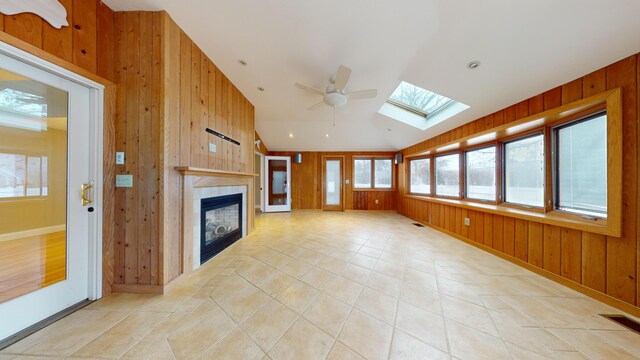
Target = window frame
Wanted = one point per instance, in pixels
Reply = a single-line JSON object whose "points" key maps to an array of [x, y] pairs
{"points": [[461, 174], [431, 175], [373, 159], [545, 123], [555, 160], [503, 172], [498, 196]]}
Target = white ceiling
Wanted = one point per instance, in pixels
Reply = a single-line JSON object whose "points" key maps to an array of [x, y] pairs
{"points": [[525, 47]]}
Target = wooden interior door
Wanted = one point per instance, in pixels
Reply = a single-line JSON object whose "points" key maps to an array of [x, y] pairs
{"points": [[332, 183]]}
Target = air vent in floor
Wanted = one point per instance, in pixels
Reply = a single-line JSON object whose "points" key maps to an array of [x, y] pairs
{"points": [[418, 224], [624, 321]]}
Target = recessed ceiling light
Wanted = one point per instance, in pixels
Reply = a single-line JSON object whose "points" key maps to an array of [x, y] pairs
{"points": [[260, 88], [473, 65], [242, 62], [290, 135], [327, 135], [388, 129]]}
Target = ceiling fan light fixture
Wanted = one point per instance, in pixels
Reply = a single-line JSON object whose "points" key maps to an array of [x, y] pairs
{"points": [[335, 99]]}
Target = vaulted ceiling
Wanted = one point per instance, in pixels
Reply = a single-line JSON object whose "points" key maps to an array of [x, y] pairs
{"points": [[525, 48]]}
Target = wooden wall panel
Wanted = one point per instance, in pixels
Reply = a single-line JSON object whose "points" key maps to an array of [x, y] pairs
{"points": [[306, 183], [84, 30], [169, 95], [605, 264]]}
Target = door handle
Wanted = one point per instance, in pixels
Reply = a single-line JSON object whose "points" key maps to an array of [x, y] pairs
{"points": [[85, 190]]}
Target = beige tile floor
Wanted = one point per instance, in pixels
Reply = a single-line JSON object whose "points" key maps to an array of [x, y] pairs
{"points": [[354, 285]]}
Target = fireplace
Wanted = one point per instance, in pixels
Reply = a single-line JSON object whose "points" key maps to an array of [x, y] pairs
{"points": [[220, 224]]}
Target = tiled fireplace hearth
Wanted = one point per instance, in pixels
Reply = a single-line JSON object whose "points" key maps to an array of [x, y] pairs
{"points": [[202, 187]]}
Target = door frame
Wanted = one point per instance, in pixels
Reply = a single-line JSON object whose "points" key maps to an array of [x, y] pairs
{"points": [[326, 207], [261, 182], [277, 208], [96, 123]]}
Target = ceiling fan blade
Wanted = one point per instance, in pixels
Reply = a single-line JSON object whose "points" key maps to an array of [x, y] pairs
{"points": [[309, 89], [342, 77], [363, 94], [316, 106]]}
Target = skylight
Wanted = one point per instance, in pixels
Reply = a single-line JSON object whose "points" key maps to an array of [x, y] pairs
{"points": [[417, 99], [419, 107]]}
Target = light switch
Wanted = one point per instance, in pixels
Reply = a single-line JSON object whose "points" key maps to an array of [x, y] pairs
{"points": [[124, 181], [347, 181], [212, 147], [120, 158]]}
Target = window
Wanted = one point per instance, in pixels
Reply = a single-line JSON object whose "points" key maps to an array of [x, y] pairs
{"points": [[22, 175], [447, 169], [524, 171], [382, 174], [420, 174], [480, 172], [373, 173], [581, 170], [362, 173]]}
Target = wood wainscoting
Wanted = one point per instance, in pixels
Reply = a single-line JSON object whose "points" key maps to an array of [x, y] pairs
{"points": [[604, 264]]}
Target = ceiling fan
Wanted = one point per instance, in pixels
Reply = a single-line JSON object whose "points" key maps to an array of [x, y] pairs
{"points": [[334, 95]]}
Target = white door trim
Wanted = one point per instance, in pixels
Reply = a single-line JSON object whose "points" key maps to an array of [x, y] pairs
{"points": [[96, 106], [261, 182], [267, 183]]}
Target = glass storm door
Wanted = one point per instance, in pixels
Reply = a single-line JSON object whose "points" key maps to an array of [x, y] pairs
{"points": [[44, 226], [278, 183], [332, 184]]}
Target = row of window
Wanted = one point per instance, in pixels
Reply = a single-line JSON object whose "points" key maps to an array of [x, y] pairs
{"points": [[515, 171]]}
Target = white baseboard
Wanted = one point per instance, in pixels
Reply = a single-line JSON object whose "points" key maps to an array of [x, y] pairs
{"points": [[32, 232]]}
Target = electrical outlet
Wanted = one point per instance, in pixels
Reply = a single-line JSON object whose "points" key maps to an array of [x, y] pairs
{"points": [[212, 148], [467, 222], [376, 201]]}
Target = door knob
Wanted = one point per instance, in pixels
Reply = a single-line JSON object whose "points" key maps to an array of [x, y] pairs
{"points": [[85, 190]]}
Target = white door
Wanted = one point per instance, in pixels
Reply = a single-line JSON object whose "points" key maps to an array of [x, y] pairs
{"points": [[259, 188], [277, 183], [45, 127]]}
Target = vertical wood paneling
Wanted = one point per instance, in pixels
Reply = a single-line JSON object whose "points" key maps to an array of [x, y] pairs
{"points": [[552, 249], [59, 42], [621, 253], [120, 145], [509, 239], [185, 99], [594, 261], [145, 171], [488, 230], [498, 234], [536, 244], [132, 86], [84, 30], [571, 258], [521, 239], [105, 41], [26, 27]]}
